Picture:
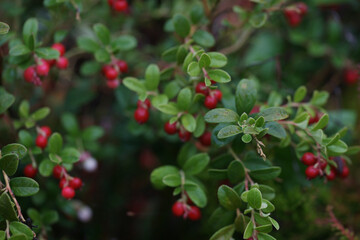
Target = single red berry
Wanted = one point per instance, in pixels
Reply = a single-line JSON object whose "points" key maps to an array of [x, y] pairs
{"points": [[314, 119], [178, 209], [46, 130], [170, 128], [122, 65], [59, 47], [184, 135], [302, 7], [111, 73], [145, 104], [75, 183], [62, 63], [255, 109], [58, 171], [29, 74], [202, 88], [217, 94], [308, 159], [68, 192], [105, 68], [50, 62], [205, 139], [120, 5], [194, 213], [63, 183], [210, 102], [351, 75], [311, 172], [112, 83], [141, 115], [345, 172], [332, 175], [30, 171], [293, 17], [43, 68], [41, 141]]}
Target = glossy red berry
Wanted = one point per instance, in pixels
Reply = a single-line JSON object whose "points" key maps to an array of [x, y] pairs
{"points": [[178, 209], [46, 130], [43, 68], [30, 171], [63, 183], [170, 128], [293, 17], [58, 171], [184, 135], [332, 175], [302, 7], [205, 139], [120, 5], [41, 141], [112, 83], [345, 172], [308, 159], [62, 63], [210, 102], [68, 192], [311, 172], [122, 65], [144, 104], [141, 115], [351, 76], [194, 213], [29, 74], [217, 94], [111, 73], [202, 88], [75, 183], [59, 47]]}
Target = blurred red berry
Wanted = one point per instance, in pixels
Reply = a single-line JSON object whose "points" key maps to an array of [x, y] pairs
{"points": [[41, 141], [170, 128], [30, 171], [59, 171], [111, 73], [194, 213], [184, 135], [141, 115], [311, 172], [303, 8], [332, 175], [112, 83], [255, 109], [29, 74], [62, 63], [59, 47], [202, 88], [68, 192], [217, 94], [308, 159], [210, 102], [46, 130], [293, 17], [178, 209], [63, 183], [351, 75], [205, 139], [43, 68], [122, 65], [144, 104], [345, 172], [76, 183], [120, 5]]}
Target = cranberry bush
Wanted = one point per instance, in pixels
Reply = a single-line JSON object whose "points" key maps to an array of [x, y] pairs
{"points": [[239, 130]]}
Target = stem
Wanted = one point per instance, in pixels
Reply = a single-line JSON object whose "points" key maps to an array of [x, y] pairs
{"points": [[183, 195], [239, 43], [206, 8], [33, 161], [247, 176], [206, 74], [254, 225], [7, 229]]}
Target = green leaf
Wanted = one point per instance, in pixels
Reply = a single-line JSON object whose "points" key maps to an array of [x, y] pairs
{"points": [[269, 206], [196, 194], [264, 236], [9, 163], [87, 44], [15, 148], [4, 28], [194, 69], [102, 33], [275, 129], [30, 30], [41, 113], [184, 99], [152, 77], [228, 198], [6, 100], [49, 217], [266, 173], [258, 19], [24, 187], [267, 192], [70, 155], [246, 138], [264, 228], [200, 126], [169, 108], [172, 89], [90, 68], [172, 180], [2, 233], [25, 138], [319, 98], [47, 53], [18, 237], [254, 198], [338, 147], [159, 100], [196, 13], [124, 43], [46, 167], [70, 123], [218, 60], [245, 96], [101, 55], [221, 115], [274, 223], [229, 131], [92, 133], [236, 172], [204, 60], [55, 143], [224, 233], [321, 123], [19, 50], [189, 122], [204, 38], [134, 85], [260, 122], [274, 114], [6, 208], [300, 94], [249, 230], [159, 173], [181, 25], [24, 109], [196, 164], [170, 55], [219, 76]]}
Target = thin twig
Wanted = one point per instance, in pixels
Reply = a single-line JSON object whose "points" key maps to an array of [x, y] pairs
{"points": [[8, 188]]}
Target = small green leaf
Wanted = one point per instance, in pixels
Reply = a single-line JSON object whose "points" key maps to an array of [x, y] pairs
{"points": [[219, 76], [249, 230], [6, 208], [196, 163], [26, 139], [228, 198], [92, 133], [184, 99], [19, 50], [6, 100], [194, 69], [124, 43], [70, 155], [200, 126], [55, 143], [172, 180], [24, 187], [41, 113], [258, 19], [245, 97], [152, 77], [319, 98], [87, 44], [15, 148], [181, 25], [9, 163], [229, 131], [101, 55], [266, 173], [47, 53], [321, 123], [274, 114], [4, 28], [46, 167], [275, 129], [196, 194], [30, 30], [221, 115], [204, 60], [204, 38], [218, 60], [274, 223], [265, 236], [189, 122], [338, 147], [170, 108], [300, 94], [159, 173], [236, 172], [70, 124], [254, 198], [102, 33], [49, 217], [224, 233], [134, 85]]}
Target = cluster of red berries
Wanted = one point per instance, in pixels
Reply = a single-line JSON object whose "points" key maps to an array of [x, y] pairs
{"points": [[316, 167], [295, 13], [112, 72], [44, 133], [141, 114], [212, 97], [180, 208], [67, 183], [351, 75], [34, 73], [119, 5]]}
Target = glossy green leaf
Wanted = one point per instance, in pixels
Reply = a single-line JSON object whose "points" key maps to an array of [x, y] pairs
{"points": [[159, 173], [196, 164], [184, 99], [9, 163], [245, 96], [7, 210], [181, 25], [47, 53], [229, 131], [224, 233], [23, 186], [221, 115], [204, 38], [254, 198], [152, 77], [15, 148], [274, 114], [102, 33], [55, 143], [134, 85], [194, 69], [46, 167], [219, 76], [228, 198], [266, 173], [236, 172], [196, 194], [218, 60]]}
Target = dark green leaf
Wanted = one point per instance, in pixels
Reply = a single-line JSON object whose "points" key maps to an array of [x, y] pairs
{"points": [[274, 114], [6, 100], [221, 115], [6, 208], [152, 77], [55, 143], [9, 163], [204, 38], [245, 97], [236, 172], [159, 173], [181, 25], [266, 174], [196, 163], [15, 148], [228, 198], [102, 33], [229, 131], [224, 233]]}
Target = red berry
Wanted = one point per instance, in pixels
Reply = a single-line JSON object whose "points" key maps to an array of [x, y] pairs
{"points": [[112, 83], [351, 76], [110, 2], [41, 141], [141, 115], [205, 139], [332, 175], [105, 68], [323, 164], [210, 102], [178, 209], [145, 104], [62, 63], [63, 183], [111, 73], [120, 5], [30, 171], [29, 74], [170, 128], [217, 94], [46, 130], [122, 65], [311, 172], [308, 158], [68, 192], [345, 172], [255, 109], [43, 68], [202, 88], [302, 7], [194, 213], [75, 183], [184, 135], [58, 171], [59, 47], [314, 119], [293, 17]]}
